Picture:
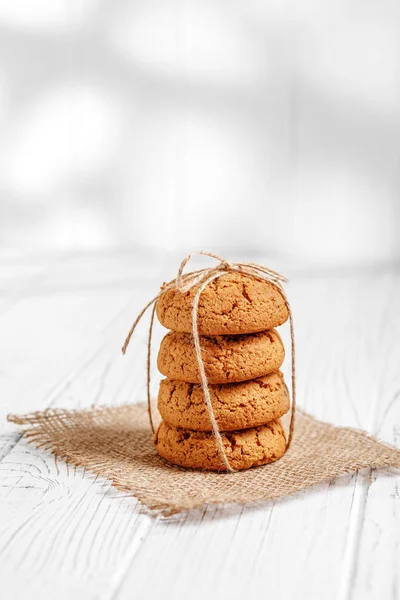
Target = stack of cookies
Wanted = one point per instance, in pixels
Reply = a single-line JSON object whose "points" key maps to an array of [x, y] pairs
{"points": [[242, 354]]}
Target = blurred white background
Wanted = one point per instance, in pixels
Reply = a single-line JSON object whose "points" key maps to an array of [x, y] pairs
{"points": [[262, 127]]}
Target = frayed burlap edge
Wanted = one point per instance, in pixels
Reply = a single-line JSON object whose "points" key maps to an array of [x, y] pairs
{"points": [[116, 443]]}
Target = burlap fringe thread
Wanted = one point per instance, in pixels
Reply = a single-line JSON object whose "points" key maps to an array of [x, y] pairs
{"points": [[116, 442]]}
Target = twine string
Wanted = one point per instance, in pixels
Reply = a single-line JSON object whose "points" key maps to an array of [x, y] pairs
{"points": [[153, 310], [203, 376], [202, 278]]}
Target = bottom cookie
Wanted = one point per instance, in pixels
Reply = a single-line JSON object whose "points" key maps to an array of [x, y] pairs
{"points": [[198, 450]]}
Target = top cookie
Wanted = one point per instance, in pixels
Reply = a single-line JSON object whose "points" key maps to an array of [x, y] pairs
{"points": [[232, 304]]}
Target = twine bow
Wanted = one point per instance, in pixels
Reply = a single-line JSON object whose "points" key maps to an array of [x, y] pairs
{"points": [[201, 278]]}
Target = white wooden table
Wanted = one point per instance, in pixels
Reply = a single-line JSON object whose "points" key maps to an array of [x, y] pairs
{"points": [[65, 534]]}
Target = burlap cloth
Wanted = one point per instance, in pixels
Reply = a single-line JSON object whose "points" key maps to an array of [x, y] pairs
{"points": [[116, 443]]}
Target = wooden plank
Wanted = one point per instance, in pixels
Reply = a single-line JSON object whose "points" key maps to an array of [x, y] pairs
{"points": [[63, 533], [301, 547], [67, 532], [62, 530], [374, 569], [16, 278]]}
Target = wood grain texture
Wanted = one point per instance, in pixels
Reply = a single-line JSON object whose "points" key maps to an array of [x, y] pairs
{"points": [[54, 519], [65, 534]]}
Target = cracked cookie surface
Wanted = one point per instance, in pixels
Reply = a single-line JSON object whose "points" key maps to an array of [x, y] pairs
{"points": [[236, 405], [198, 450], [234, 303], [227, 359]]}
